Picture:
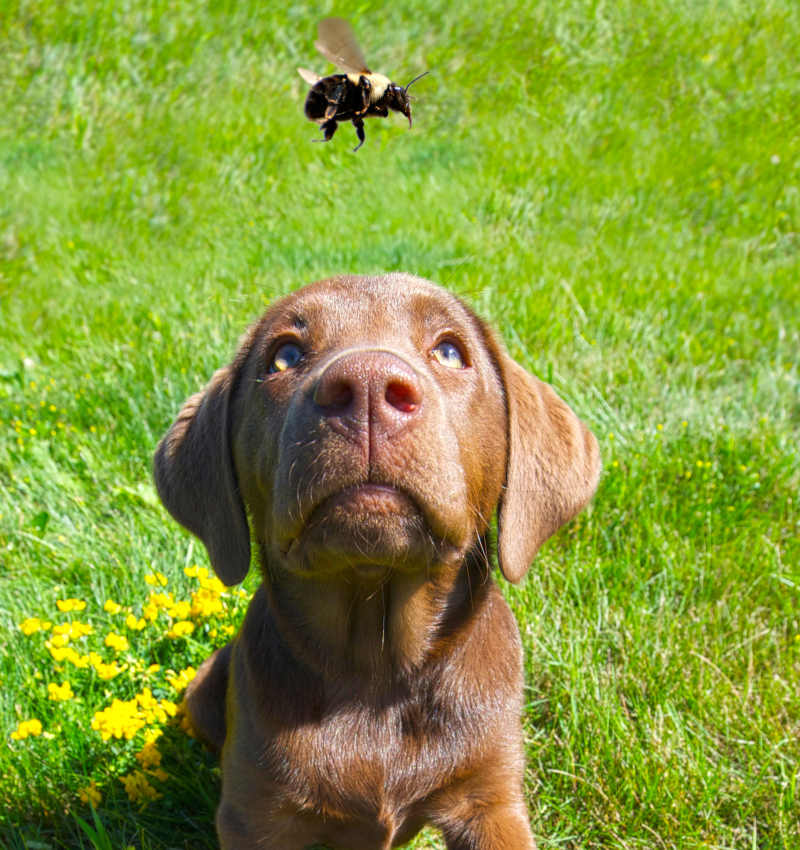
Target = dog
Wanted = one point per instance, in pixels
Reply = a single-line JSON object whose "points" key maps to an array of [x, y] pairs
{"points": [[364, 436]]}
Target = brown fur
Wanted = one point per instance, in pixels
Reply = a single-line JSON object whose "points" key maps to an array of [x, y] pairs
{"points": [[376, 683]]}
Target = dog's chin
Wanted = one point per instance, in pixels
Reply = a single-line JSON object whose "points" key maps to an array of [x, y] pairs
{"points": [[368, 530]]}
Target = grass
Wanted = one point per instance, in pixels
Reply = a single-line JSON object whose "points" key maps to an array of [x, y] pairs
{"points": [[616, 186]]}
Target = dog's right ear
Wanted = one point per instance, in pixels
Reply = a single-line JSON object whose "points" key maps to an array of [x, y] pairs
{"points": [[196, 479]]}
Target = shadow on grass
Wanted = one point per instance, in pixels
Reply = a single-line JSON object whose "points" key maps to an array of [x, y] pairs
{"points": [[181, 817]]}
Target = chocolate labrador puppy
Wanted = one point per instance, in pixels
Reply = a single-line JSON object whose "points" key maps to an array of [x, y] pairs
{"points": [[364, 436]]}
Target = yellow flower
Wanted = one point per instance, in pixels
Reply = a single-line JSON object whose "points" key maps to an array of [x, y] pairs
{"points": [[111, 607], [152, 735], [70, 604], [153, 710], [33, 625], [27, 728], [59, 640], [156, 578], [180, 610], [205, 603], [91, 794], [103, 670], [67, 653], [117, 642], [211, 583], [153, 668], [195, 571], [138, 789], [180, 680], [122, 719], [149, 755], [161, 600], [59, 693], [134, 623], [73, 629], [181, 629], [150, 612]]}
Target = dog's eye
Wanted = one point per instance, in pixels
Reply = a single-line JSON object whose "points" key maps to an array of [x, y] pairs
{"points": [[286, 357], [448, 354]]}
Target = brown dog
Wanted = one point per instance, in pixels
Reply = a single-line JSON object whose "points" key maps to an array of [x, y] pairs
{"points": [[368, 428]]}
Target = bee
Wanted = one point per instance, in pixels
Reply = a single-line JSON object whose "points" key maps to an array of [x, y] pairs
{"points": [[355, 95]]}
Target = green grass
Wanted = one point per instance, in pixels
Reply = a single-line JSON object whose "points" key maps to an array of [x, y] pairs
{"points": [[616, 186]]}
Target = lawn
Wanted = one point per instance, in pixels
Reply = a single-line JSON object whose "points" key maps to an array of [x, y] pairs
{"points": [[616, 186]]}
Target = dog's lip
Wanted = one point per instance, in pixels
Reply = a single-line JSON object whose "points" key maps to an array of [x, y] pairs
{"points": [[368, 495]]}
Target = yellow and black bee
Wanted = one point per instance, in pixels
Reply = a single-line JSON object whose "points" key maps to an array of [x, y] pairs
{"points": [[354, 95]]}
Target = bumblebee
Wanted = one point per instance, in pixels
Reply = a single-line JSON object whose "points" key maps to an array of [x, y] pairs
{"points": [[355, 95]]}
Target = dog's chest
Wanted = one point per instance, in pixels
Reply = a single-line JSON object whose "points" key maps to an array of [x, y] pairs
{"points": [[373, 771]]}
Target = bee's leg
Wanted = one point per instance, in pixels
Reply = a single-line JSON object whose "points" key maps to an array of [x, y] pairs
{"points": [[334, 100], [329, 128], [359, 125]]}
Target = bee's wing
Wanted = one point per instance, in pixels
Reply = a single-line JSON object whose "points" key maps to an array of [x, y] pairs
{"points": [[309, 76], [337, 43]]}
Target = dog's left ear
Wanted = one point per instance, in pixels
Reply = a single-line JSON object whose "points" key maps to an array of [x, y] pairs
{"points": [[552, 468]]}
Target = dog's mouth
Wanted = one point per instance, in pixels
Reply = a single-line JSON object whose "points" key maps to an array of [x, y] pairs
{"points": [[366, 528]]}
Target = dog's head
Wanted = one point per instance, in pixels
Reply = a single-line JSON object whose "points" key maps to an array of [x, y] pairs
{"points": [[370, 424]]}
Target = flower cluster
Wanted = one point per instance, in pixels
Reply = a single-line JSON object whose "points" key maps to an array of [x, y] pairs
{"points": [[119, 646], [124, 718]]}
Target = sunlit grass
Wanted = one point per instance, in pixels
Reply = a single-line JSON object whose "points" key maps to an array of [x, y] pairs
{"points": [[615, 186]]}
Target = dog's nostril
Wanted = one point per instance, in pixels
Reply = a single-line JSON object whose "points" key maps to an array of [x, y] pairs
{"points": [[334, 395], [402, 396]]}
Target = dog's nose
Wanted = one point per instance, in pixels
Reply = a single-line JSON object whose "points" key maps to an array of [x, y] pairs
{"points": [[369, 390]]}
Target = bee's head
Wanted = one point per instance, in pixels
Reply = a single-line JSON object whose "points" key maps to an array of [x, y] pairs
{"points": [[399, 99]]}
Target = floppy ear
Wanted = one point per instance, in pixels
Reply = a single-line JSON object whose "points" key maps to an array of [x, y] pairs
{"points": [[196, 480], [552, 468]]}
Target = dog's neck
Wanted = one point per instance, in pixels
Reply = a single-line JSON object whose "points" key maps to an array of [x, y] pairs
{"points": [[375, 632]]}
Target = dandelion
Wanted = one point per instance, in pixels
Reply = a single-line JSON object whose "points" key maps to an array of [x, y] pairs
{"points": [[138, 788], [111, 607], [180, 680], [27, 728], [33, 625], [181, 629], [65, 605], [59, 693], [91, 794], [119, 643]]}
